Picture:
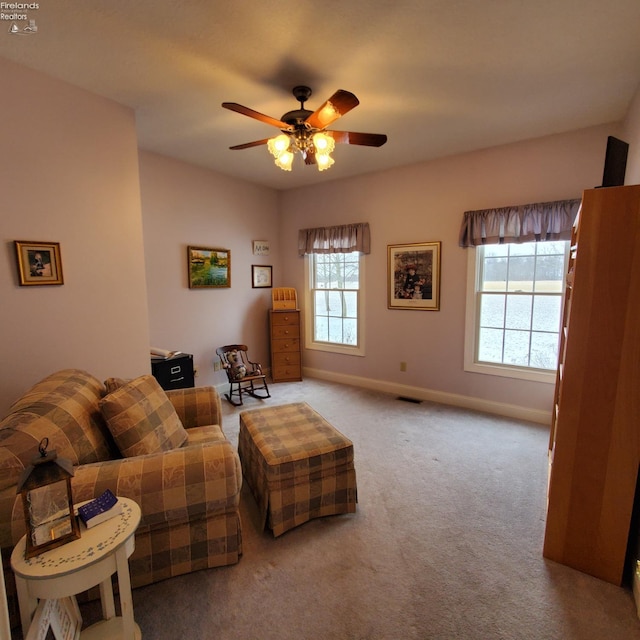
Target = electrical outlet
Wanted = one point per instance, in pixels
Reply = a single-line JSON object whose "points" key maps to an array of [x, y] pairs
{"points": [[195, 372], [403, 366], [216, 366]]}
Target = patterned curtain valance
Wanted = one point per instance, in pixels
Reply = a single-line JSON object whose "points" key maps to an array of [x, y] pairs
{"points": [[541, 221], [340, 239]]}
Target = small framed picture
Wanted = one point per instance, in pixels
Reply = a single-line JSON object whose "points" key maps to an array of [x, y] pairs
{"points": [[261, 276], [209, 267], [260, 247], [414, 276], [38, 263]]}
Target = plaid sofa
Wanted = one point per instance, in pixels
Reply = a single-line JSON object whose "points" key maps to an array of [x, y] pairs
{"points": [[189, 496]]}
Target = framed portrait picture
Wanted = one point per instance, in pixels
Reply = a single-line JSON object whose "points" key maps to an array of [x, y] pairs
{"points": [[414, 276], [38, 263], [209, 267], [261, 276]]}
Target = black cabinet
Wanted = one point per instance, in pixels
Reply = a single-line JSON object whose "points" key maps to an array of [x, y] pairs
{"points": [[174, 373]]}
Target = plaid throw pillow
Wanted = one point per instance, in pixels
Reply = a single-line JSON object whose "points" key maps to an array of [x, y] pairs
{"points": [[142, 419], [111, 384]]}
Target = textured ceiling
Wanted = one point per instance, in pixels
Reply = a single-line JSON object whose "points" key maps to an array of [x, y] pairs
{"points": [[439, 77]]}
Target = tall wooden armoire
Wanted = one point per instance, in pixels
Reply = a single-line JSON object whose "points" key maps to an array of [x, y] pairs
{"points": [[595, 436]]}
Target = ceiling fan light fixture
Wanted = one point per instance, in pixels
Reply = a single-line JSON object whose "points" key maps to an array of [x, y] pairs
{"points": [[303, 131], [278, 145], [324, 161], [323, 143], [284, 160]]}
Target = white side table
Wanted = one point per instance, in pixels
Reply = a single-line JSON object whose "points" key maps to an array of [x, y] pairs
{"points": [[79, 565]]}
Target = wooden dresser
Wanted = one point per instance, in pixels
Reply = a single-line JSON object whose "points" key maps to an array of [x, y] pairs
{"points": [[286, 363], [594, 449]]}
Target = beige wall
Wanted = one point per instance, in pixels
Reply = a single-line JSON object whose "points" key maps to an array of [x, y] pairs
{"points": [[69, 174], [184, 205], [72, 176], [422, 203]]}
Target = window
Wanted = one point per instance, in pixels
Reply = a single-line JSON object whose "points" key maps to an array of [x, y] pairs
{"points": [[334, 300], [514, 308]]}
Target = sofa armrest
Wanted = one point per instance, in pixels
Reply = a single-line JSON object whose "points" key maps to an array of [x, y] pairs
{"points": [[174, 485], [197, 406]]}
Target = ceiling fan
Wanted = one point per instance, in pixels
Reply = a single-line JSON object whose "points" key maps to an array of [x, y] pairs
{"points": [[304, 131]]}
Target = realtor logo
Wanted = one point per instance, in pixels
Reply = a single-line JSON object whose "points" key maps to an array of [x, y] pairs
{"points": [[30, 29]]}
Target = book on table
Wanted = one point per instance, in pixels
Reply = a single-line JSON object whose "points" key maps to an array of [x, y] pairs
{"points": [[100, 509]]}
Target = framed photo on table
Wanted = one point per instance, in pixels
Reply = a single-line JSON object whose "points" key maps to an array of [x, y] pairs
{"points": [[261, 276], [209, 268], [414, 276], [39, 263]]}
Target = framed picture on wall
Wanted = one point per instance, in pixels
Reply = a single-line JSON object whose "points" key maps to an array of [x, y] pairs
{"points": [[261, 276], [414, 276], [38, 263], [209, 267], [260, 247]]}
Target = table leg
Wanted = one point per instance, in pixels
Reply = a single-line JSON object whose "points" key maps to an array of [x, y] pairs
{"points": [[124, 588], [26, 602], [106, 598]]}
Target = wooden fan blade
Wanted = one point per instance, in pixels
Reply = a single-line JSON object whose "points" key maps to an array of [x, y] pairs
{"points": [[336, 106], [248, 145], [245, 111], [352, 137]]}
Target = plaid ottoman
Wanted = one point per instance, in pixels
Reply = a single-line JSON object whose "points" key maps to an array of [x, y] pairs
{"points": [[296, 464]]}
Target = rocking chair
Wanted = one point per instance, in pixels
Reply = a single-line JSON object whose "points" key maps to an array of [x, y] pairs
{"points": [[246, 375]]}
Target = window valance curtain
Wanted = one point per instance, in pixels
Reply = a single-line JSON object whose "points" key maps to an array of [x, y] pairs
{"points": [[339, 239], [541, 221]]}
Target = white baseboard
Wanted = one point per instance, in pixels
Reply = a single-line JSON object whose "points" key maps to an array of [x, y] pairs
{"points": [[418, 393]]}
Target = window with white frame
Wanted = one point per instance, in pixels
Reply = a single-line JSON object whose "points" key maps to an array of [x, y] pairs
{"points": [[514, 307], [334, 300]]}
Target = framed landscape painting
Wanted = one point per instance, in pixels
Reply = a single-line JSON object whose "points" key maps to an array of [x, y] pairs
{"points": [[209, 267], [414, 276], [38, 263]]}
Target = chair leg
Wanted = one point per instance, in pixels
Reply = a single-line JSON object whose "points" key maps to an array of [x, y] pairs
{"points": [[229, 396], [253, 393]]}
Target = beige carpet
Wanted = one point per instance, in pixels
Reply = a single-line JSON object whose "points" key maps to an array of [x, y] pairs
{"points": [[446, 542]]}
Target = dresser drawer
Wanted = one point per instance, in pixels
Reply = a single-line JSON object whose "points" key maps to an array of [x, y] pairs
{"points": [[285, 331], [285, 345], [284, 318], [286, 373], [286, 359]]}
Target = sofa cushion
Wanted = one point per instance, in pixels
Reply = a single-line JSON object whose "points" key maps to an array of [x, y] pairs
{"points": [[64, 408], [111, 384], [10, 468], [142, 419], [205, 434]]}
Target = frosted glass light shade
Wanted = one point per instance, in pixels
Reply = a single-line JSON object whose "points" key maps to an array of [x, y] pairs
{"points": [[278, 145], [323, 143], [284, 160], [323, 161]]}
